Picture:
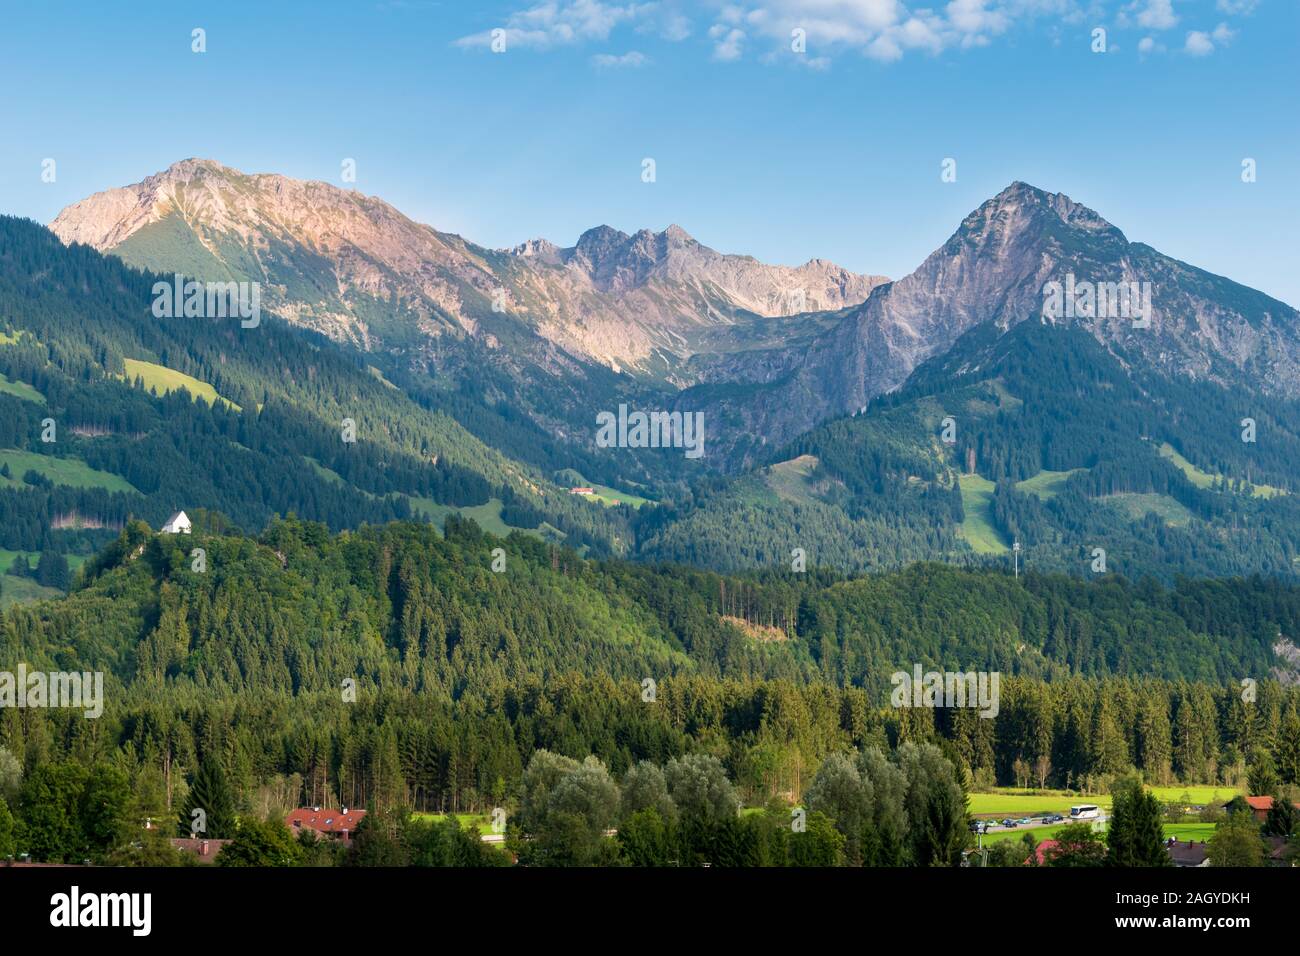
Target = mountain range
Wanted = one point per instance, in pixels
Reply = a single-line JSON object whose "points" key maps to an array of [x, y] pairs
{"points": [[346, 264], [950, 414]]}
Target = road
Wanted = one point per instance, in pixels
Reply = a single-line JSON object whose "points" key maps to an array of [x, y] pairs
{"points": [[1037, 824]]}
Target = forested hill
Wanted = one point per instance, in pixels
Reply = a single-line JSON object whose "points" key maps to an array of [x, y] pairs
{"points": [[108, 411], [1034, 434], [300, 609]]}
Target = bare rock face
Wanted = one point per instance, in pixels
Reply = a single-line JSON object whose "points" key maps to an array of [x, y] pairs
{"points": [[996, 267], [647, 300], [332, 259], [322, 253], [767, 351], [616, 262]]}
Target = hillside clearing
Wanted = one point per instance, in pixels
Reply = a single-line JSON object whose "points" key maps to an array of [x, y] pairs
{"points": [[23, 591], [1203, 479], [792, 480], [977, 525], [20, 390], [1047, 484], [160, 380], [1136, 506], [607, 496], [62, 471]]}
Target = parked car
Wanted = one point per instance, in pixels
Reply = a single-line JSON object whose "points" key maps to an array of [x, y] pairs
{"points": [[1009, 823]]}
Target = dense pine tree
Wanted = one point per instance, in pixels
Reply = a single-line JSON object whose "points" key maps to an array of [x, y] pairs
{"points": [[210, 806]]}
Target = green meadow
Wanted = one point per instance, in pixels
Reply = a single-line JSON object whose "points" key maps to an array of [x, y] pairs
{"points": [[977, 525], [21, 390], [607, 496], [1016, 803], [1203, 479], [23, 591], [1200, 832], [1137, 505], [7, 558], [61, 471], [160, 380], [487, 515], [1046, 484]]}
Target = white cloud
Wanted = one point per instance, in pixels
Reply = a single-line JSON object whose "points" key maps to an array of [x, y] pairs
{"points": [[1234, 7], [664, 19], [1198, 44], [884, 30], [560, 23], [826, 22], [887, 30], [973, 17], [1147, 14], [929, 33], [1156, 14], [728, 42], [884, 48], [630, 59], [731, 13]]}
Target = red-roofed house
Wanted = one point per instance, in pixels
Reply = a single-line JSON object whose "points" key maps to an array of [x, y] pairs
{"points": [[204, 850], [337, 824], [1261, 805]]}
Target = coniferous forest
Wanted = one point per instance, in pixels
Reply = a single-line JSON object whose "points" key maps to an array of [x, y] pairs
{"points": [[394, 668]]}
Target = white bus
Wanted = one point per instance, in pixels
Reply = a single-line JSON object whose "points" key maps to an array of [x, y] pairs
{"points": [[1085, 811]]}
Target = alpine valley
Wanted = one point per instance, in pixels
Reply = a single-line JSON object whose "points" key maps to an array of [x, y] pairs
{"points": [[642, 452], [415, 471], [943, 416]]}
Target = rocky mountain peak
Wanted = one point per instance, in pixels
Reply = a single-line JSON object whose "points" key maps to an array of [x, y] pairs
{"points": [[194, 167], [541, 250], [600, 240], [1021, 205], [996, 268], [617, 262]]}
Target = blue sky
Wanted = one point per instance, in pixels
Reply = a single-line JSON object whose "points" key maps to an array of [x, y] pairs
{"points": [[834, 152]]}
